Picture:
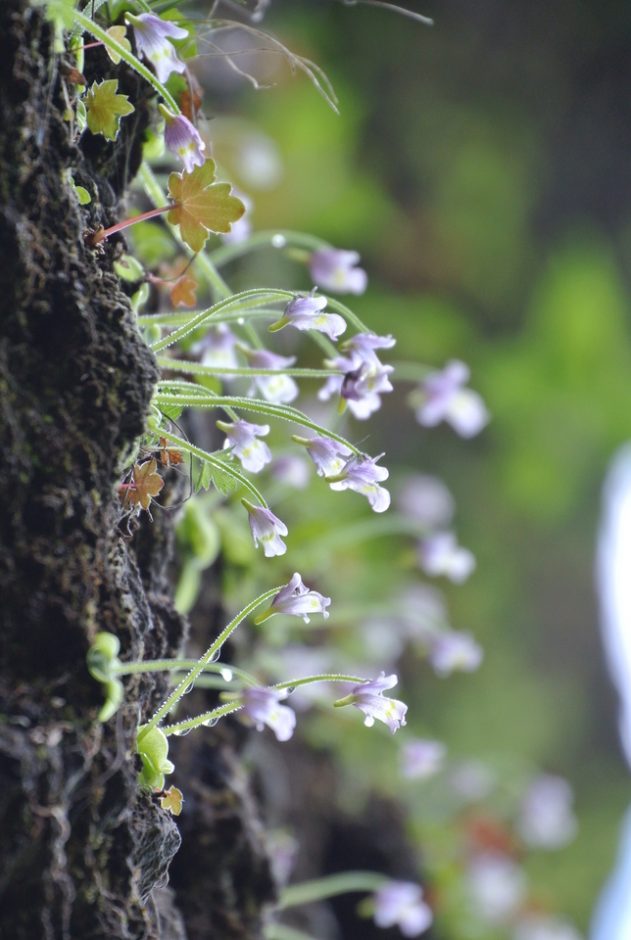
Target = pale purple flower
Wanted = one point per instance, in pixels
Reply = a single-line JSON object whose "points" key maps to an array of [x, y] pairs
{"points": [[546, 819], [427, 500], [365, 378], [451, 651], [152, 40], [266, 529], [299, 601], [401, 904], [368, 697], [242, 439], [282, 850], [496, 886], [262, 706], [184, 140], [541, 927], [471, 781], [277, 388], [444, 398], [291, 470], [362, 475], [306, 313], [218, 348], [421, 759], [334, 270], [440, 554], [328, 456]]}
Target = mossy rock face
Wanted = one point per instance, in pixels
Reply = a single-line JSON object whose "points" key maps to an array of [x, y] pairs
{"points": [[83, 847]]}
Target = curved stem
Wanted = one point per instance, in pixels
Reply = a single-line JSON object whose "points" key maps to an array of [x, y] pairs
{"points": [[324, 677], [258, 406], [347, 313], [278, 239], [178, 319], [321, 888], [256, 295], [206, 718], [212, 650], [179, 665], [215, 462], [196, 368], [89, 26]]}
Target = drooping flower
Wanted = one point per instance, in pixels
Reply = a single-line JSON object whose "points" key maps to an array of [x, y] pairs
{"points": [[546, 819], [451, 651], [183, 139], [328, 456], [218, 348], [262, 706], [296, 599], [277, 388], [442, 397], [369, 698], [421, 758], [334, 270], [496, 886], [426, 499], [266, 529], [365, 377], [242, 439], [152, 40], [440, 554], [306, 313], [401, 904], [362, 475]]}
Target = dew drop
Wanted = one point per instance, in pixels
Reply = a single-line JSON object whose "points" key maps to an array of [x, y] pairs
{"points": [[279, 241], [226, 674], [241, 321], [182, 732], [189, 688], [210, 723], [290, 689], [369, 721], [215, 656]]}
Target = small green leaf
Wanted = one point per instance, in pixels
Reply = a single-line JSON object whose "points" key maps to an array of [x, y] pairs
{"points": [[201, 205], [153, 748], [129, 268], [118, 33], [105, 108], [83, 195]]}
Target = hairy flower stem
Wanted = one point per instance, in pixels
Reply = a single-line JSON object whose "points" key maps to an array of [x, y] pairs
{"points": [[329, 886], [212, 651]]}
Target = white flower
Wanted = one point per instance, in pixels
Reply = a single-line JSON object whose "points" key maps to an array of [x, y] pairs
{"points": [[401, 904], [451, 651], [443, 398], [368, 698], [334, 270], [266, 529], [306, 313], [421, 759], [496, 886], [546, 819], [440, 554], [262, 706], [152, 40], [242, 439], [362, 475]]}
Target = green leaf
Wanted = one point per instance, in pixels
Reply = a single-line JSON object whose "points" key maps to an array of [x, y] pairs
{"points": [[119, 33], [105, 108], [201, 205]]}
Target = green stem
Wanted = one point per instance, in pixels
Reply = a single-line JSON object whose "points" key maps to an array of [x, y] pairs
{"points": [[213, 649], [89, 26], [321, 888], [374, 527], [178, 319], [196, 368], [271, 239], [256, 295], [206, 718], [258, 406], [215, 462], [324, 677], [282, 932], [179, 665]]}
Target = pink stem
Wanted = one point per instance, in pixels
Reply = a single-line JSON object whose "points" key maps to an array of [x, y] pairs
{"points": [[101, 234]]}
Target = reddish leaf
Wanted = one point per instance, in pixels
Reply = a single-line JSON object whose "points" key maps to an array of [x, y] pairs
{"points": [[201, 205]]}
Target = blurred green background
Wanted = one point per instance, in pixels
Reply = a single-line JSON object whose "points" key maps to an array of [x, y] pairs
{"points": [[481, 169]]}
